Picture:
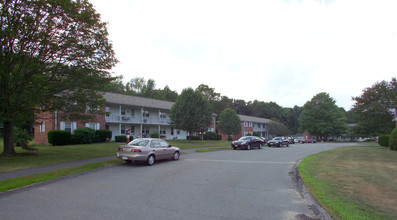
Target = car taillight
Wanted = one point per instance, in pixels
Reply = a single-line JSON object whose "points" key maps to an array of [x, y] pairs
{"points": [[136, 150], [120, 149]]}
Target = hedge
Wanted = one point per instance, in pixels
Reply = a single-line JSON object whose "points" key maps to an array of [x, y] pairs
{"points": [[102, 135], [384, 140], [59, 137], [393, 140], [120, 138], [193, 138], [83, 135], [212, 136]]}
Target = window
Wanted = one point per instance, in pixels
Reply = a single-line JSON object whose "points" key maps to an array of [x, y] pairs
{"points": [[163, 115], [145, 114], [178, 132], [42, 127], [122, 129], [162, 130], [122, 111], [250, 124], [172, 131], [156, 144], [68, 126], [95, 126], [132, 113], [132, 130], [107, 127], [163, 143], [245, 124]]}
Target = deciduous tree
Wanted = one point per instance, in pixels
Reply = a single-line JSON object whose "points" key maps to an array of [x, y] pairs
{"points": [[191, 112], [229, 122], [375, 109], [320, 116], [54, 54]]}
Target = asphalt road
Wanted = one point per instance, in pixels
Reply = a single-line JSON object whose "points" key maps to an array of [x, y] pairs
{"points": [[227, 184]]}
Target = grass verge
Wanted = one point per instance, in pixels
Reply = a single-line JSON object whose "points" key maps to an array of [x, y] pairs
{"points": [[353, 182], [212, 149], [9, 184]]}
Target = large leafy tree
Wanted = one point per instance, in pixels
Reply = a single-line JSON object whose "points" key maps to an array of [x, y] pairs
{"points": [[54, 55], [229, 122], [191, 112], [320, 116], [375, 109]]}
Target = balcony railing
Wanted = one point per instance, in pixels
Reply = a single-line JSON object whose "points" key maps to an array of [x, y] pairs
{"points": [[130, 119]]}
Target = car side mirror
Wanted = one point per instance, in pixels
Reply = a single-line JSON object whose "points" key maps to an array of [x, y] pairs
{"points": [[170, 145]]}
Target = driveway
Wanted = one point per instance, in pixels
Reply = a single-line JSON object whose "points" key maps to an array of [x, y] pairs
{"points": [[228, 184]]}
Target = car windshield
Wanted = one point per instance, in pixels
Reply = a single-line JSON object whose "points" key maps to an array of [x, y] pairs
{"points": [[245, 138], [138, 142], [277, 138]]}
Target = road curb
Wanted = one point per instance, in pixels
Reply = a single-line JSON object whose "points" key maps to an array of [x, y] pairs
{"points": [[318, 211]]}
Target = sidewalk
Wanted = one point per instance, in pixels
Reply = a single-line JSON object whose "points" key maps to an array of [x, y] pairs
{"points": [[46, 168]]}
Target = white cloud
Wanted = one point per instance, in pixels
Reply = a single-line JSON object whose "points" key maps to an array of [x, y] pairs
{"points": [[281, 51]]}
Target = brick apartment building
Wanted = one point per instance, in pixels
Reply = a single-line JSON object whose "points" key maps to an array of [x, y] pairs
{"points": [[141, 116]]}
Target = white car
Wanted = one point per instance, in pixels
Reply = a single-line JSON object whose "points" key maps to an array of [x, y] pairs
{"points": [[147, 150]]}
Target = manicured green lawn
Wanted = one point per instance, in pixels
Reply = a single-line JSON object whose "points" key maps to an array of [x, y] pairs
{"points": [[354, 182], [58, 154]]}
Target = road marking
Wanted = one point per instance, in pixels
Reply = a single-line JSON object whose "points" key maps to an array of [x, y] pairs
{"points": [[240, 161]]}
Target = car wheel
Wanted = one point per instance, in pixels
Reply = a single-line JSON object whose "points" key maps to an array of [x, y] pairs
{"points": [[176, 155], [234, 148], [150, 160], [128, 161], [260, 146], [287, 145], [248, 147]]}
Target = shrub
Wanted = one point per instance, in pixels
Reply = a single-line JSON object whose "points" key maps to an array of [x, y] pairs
{"points": [[102, 135], [384, 140], [258, 134], [154, 135], [59, 137], [120, 138], [193, 138], [21, 136], [84, 135], [212, 136], [393, 140]]}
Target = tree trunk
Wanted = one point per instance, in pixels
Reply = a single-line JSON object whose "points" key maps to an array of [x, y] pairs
{"points": [[8, 139]]}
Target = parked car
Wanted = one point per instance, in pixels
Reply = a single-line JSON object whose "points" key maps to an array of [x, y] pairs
{"points": [[278, 142], [302, 140], [291, 140], [248, 142], [264, 140], [147, 150]]}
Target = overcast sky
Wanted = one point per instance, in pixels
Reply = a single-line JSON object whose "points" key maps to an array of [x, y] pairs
{"points": [[285, 51]]}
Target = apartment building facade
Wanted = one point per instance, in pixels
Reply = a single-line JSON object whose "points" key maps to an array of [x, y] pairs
{"points": [[138, 117], [249, 125]]}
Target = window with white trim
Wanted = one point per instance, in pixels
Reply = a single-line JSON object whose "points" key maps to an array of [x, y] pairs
{"points": [[163, 130], [42, 127]]}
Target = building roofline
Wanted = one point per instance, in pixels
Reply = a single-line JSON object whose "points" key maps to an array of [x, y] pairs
{"points": [[123, 99]]}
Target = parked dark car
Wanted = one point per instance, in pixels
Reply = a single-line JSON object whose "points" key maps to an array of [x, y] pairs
{"points": [[248, 142], [278, 142]]}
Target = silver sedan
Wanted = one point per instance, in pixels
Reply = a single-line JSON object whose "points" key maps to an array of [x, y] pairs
{"points": [[147, 150]]}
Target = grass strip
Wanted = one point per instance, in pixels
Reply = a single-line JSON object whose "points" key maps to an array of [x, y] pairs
{"points": [[9, 184], [353, 182], [213, 149]]}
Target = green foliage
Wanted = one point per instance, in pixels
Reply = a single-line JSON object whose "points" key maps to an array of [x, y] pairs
{"points": [[229, 122], [321, 116], [154, 135], [51, 49], [212, 136], [21, 136], [191, 112], [384, 140], [102, 135], [193, 138], [375, 109], [120, 138], [84, 135], [258, 134], [59, 137], [393, 140]]}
